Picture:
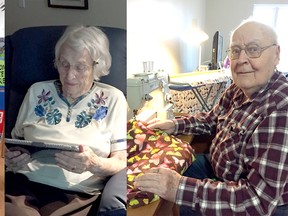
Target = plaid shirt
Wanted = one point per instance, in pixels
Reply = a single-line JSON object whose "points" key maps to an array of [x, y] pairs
{"points": [[248, 153]]}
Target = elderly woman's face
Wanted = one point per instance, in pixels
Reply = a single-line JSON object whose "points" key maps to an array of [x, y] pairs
{"points": [[249, 73], [76, 71]]}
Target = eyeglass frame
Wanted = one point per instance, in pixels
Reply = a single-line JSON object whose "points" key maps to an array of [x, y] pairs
{"points": [[262, 49], [74, 67]]}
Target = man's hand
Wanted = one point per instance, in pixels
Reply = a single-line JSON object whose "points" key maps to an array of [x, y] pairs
{"points": [[166, 125], [161, 181]]}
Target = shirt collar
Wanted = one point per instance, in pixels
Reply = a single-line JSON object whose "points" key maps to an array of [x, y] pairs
{"points": [[58, 86]]}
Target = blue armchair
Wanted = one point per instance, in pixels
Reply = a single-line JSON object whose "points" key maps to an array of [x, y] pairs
{"points": [[29, 58]]}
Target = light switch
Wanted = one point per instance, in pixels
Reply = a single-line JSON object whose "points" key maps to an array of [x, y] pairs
{"points": [[21, 3]]}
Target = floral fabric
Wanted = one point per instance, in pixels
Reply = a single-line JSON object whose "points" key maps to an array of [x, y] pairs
{"points": [[152, 148]]}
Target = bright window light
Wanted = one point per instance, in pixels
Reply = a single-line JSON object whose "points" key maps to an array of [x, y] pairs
{"points": [[276, 15]]}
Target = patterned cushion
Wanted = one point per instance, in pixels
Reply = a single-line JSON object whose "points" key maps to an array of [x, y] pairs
{"points": [[152, 148]]}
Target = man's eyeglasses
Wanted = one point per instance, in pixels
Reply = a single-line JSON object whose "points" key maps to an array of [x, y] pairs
{"points": [[79, 67], [252, 51]]}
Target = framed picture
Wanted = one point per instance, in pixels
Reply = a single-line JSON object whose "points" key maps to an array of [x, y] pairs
{"points": [[70, 4]]}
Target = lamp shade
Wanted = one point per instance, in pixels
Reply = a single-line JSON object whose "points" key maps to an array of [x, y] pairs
{"points": [[195, 35]]}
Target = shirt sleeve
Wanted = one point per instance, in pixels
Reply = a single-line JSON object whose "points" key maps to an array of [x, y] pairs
{"points": [[119, 118], [24, 111], [200, 123], [267, 175]]}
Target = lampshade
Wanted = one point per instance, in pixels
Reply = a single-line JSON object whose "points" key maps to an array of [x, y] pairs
{"points": [[195, 36]]}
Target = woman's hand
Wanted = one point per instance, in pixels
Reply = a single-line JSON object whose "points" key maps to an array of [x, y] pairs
{"points": [[166, 125], [89, 161], [75, 161], [161, 181], [16, 158]]}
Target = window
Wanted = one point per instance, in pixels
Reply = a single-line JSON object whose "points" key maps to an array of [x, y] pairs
{"points": [[276, 15]]}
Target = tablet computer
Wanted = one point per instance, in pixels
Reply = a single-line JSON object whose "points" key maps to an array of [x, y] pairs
{"points": [[64, 147]]}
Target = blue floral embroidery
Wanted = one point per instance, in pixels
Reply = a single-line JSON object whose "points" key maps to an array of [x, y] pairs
{"points": [[39, 110], [54, 117], [100, 113], [96, 111], [83, 119], [45, 110]]}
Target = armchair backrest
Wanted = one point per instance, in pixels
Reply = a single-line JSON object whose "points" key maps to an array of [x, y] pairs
{"points": [[29, 58]]}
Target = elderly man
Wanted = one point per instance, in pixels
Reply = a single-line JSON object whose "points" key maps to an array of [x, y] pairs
{"points": [[246, 172]]}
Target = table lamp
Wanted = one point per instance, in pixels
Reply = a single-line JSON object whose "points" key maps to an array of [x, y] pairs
{"points": [[196, 36]]}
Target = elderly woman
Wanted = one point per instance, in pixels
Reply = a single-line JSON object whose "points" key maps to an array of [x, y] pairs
{"points": [[76, 109]]}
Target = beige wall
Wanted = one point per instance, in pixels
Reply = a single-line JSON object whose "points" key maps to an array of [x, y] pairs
{"points": [[155, 28], [2, 18], [36, 12]]}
